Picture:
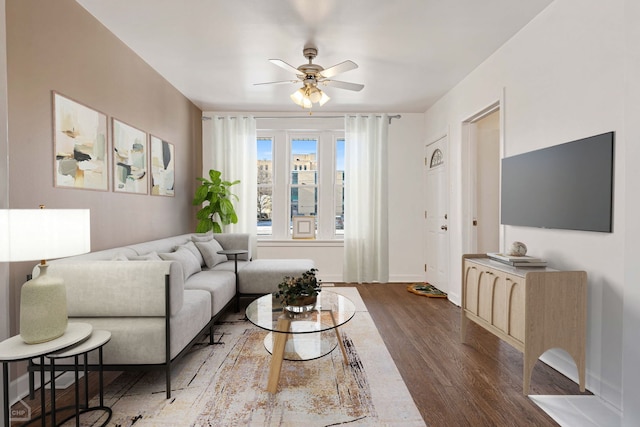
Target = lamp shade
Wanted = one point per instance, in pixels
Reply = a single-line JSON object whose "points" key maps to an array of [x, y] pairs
{"points": [[40, 234]]}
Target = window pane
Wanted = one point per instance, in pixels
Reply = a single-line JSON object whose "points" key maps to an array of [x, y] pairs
{"points": [[304, 164], [265, 185], [339, 192], [304, 178]]}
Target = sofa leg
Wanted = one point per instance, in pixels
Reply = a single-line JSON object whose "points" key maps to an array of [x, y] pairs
{"points": [[168, 372], [211, 335]]}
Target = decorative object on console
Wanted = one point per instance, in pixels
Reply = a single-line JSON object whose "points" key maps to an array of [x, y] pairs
{"points": [[217, 193], [518, 249], [41, 234], [299, 294], [517, 260]]}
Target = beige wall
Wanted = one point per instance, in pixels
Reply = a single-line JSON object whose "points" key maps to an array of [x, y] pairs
{"points": [[58, 45]]}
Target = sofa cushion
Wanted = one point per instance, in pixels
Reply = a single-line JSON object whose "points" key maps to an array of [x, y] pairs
{"points": [[151, 256], [221, 285], [195, 251], [120, 257], [187, 260], [262, 276], [140, 340], [119, 288], [210, 253], [202, 237], [168, 244]]}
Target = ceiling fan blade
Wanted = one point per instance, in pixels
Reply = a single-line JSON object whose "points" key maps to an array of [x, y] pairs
{"points": [[277, 83], [343, 85], [338, 68], [280, 63]]}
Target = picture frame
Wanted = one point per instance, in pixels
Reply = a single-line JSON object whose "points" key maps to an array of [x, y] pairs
{"points": [[80, 139], [130, 171], [162, 167], [304, 227]]}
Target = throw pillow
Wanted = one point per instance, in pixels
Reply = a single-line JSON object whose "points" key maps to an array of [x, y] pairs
{"points": [[192, 247], [151, 256], [120, 257], [186, 259], [202, 237], [210, 253]]}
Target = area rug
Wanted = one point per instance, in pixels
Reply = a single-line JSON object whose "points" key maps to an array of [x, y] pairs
{"points": [[426, 290], [225, 384]]}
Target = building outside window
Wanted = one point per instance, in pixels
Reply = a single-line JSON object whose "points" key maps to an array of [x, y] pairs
{"points": [[300, 174]]}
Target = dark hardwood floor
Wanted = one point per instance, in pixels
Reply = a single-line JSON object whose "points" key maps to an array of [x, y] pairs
{"points": [[477, 384]]}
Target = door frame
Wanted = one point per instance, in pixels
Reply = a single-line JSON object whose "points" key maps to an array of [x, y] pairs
{"points": [[468, 163]]}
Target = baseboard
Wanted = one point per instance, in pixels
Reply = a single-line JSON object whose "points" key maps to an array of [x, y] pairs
{"points": [[19, 388], [406, 278], [562, 362]]}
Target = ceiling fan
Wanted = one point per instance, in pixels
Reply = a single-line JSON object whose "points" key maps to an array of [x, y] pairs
{"points": [[311, 75]]}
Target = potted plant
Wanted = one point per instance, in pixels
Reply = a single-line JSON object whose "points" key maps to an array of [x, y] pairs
{"points": [[299, 294], [216, 192]]}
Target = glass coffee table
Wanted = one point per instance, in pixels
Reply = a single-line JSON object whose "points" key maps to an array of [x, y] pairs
{"points": [[300, 336]]}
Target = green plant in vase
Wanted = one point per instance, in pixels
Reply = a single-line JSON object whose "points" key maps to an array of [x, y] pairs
{"points": [[301, 291], [220, 208]]}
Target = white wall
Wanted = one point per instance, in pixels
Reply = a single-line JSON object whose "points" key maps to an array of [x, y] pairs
{"points": [[631, 346], [406, 207], [563, 78]]}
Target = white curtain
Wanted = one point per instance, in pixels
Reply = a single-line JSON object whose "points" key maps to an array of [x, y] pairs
{"points": [[366, 238], [232, 150]]}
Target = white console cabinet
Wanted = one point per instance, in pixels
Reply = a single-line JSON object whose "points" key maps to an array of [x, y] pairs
{"points": [[533, 309]]}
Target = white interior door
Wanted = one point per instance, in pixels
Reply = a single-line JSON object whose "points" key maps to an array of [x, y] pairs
{"points": [[436, 215], [485, 169]]}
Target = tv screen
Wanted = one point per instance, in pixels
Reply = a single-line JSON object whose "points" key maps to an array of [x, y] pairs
{"points": [[567, 186]]}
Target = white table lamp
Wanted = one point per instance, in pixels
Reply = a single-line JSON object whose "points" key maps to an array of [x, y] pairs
{"points": [[41, 234]]}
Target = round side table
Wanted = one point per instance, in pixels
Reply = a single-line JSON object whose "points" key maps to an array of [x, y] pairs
{"points": [[96, 341], [235, 253], [14, 349]]}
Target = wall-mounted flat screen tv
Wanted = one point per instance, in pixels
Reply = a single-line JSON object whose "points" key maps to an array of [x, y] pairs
{"points": [[567, 186]]}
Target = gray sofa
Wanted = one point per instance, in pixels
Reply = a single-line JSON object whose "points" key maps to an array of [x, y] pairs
{"points": [[159, 298]]}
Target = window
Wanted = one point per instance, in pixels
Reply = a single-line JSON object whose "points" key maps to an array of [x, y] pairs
{"points": [[265, 185], [300, 174], [304, 178], [339, 187]]}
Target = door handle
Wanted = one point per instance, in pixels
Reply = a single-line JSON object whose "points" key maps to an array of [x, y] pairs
{"points": [[444, 227]]}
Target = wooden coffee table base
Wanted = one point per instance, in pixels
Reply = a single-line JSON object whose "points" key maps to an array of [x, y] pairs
{"points": [[280, 338]]}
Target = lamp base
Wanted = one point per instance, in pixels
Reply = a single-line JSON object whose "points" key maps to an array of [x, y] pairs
{"points": [[43, 308]]}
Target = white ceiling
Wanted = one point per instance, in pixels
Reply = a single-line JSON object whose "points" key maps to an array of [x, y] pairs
{"points": [[409, 52]]}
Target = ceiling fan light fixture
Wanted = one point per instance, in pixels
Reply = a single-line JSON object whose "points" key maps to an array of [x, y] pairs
{"points": [[323, 99], [298, 97], [308, 95]]}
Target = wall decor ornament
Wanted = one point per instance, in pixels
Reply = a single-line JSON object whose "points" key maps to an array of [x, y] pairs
{"points": [[304, 227], [162, 167], [129, 159], [80, 145]]}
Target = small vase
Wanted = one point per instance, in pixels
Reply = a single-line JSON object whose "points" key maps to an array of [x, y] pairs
{"points": [[302, 304]]}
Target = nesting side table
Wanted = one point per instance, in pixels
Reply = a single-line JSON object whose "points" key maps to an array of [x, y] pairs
{"points": [[96, 341], [14, 349]]}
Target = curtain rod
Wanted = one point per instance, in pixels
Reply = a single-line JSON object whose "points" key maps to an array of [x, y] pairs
{"points": [[397, 116]]}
